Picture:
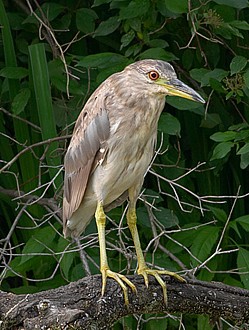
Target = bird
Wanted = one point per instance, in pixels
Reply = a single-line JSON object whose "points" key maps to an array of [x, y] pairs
{"points": [[110, 151]]}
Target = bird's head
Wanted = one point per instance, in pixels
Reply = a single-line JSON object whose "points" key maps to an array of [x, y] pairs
{"points": [[159, 77]]}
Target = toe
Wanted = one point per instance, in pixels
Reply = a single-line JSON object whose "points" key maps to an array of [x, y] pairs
{"points": [[129, 283], [117, 278], [104, 276], [121, 280], [144, 273], [156, 273], [163, 285], [172, 274]]}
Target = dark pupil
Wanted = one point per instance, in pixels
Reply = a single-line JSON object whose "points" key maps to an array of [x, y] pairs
{"points": [[153, 75]]}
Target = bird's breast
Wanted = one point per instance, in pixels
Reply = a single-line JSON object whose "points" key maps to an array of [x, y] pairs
{"points": [[129, 148], [124, 167]]}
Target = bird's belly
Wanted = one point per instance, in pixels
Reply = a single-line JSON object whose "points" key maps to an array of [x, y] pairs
{"points": [[122, 170]]}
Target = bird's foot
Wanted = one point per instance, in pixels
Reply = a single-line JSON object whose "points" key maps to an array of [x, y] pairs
{"points": [[156, 273], [122, 281]]}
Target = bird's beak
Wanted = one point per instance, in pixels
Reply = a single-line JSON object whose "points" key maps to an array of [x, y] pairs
{"points": [[176, 87]]}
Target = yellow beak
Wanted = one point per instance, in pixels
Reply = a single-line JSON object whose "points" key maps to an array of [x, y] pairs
{"points": [[176, 87]]}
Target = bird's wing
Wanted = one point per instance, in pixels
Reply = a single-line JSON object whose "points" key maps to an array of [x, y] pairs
{"points": [[90, 133]]}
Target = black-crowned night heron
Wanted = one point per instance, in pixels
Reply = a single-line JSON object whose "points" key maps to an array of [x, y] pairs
{"points": [[110, 151]]}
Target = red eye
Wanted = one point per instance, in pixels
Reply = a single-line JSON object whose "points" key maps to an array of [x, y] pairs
{"points": [[153, 75]]}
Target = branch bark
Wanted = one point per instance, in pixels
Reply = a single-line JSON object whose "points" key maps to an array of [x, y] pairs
{"points": [[79, 305]]}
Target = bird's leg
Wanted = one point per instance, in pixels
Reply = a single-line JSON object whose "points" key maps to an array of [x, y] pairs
{"points": [[142, 267], [104, 267]]}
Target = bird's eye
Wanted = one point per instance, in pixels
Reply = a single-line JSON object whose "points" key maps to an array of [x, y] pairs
{"points": [[153, 75]]}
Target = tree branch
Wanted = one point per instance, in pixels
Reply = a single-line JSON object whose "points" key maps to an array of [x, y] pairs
{"points": [[79, 305], [49, 202]]}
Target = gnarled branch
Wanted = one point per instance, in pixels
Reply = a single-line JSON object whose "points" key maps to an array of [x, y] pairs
{"points": [[79, 305]]}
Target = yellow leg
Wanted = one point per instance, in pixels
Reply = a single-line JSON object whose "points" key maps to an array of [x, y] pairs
{"points": [[104, 268], [142, 268]]}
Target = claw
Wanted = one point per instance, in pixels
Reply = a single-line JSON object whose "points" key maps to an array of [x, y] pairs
{"points": [[120, 279], [156, 273]]}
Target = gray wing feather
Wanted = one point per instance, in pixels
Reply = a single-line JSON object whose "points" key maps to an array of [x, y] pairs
{"points": [[91, 131]]}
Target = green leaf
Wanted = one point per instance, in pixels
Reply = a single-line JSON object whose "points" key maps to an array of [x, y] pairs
{"points": [[238, 127], [242, 25], [133, 50], [244, 160], [45, 236], [135, 23], [20, 101], [211, 120], [242, 136], [85, 20], [14, 72], [67, 260], [158, 53], [197, 74], [246, 78], [169, 124], [50, 9], [238, 63], [221, 150], [63, 23], [243, 221], [20, 129], [217, 86], [127, 39], [158, 43], [217, 74], [229, 95], [107, 27], [135, 8], [15, 20], [101, 60], [77, 273], [235, 227], [244, 149], [182, 104], [243, 265], [100, 2], [218, 213], [166, 217], [228, 31], [204, 323], [240, 4], [204, 243], [42, 88], [105, 73], [143, 217], [177, 6], [223, 136]]}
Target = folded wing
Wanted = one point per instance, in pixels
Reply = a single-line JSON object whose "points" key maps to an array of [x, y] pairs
{"points": [[91, 131]]}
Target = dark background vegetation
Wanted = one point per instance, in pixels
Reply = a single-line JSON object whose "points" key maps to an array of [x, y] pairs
{"points": [[193, 212]]}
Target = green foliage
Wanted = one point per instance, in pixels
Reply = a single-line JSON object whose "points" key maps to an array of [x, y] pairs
{"points": [[169, 124], [204, 243], [238, 64], [237, 136], [243, 265], [40, 75], [201, 170]]}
